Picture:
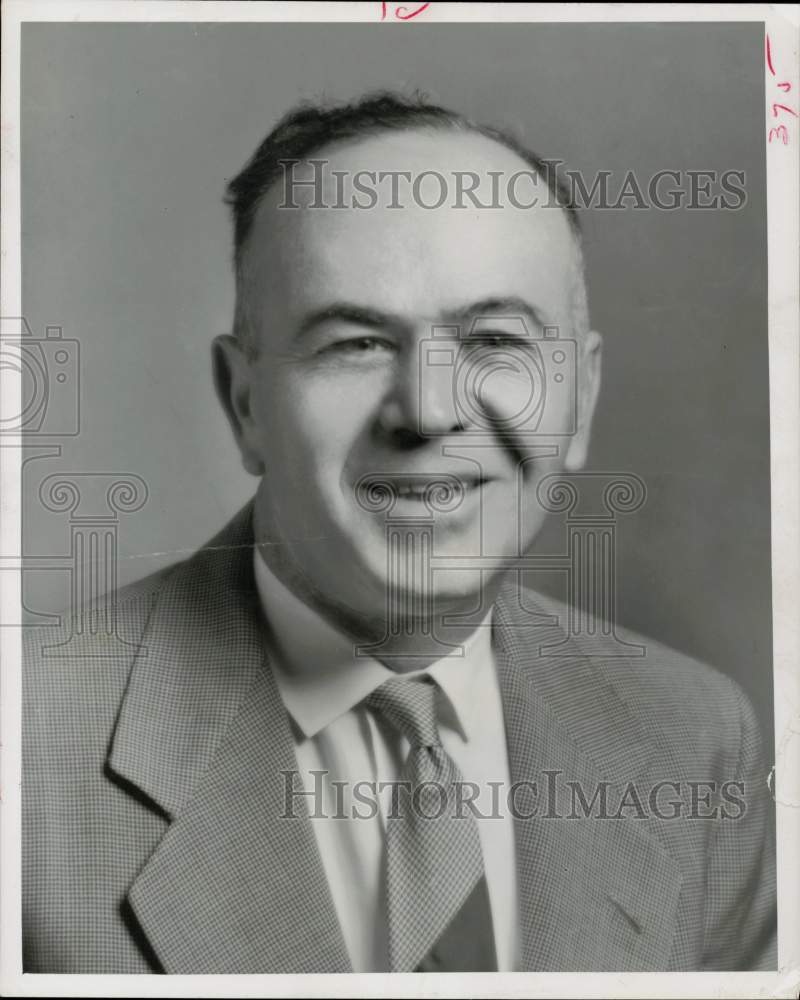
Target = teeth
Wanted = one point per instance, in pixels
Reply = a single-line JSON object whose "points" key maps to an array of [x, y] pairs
{"points": [[420, 491]]}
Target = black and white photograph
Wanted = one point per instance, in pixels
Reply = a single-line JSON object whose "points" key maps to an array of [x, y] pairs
{"points": [[400, 499]]}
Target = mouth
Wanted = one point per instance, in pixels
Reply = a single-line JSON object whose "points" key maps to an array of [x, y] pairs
{"points": [[442, 491], [420, 488]]}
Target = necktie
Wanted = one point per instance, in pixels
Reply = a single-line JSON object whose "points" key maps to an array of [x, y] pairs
{"points": [[439, 917]]}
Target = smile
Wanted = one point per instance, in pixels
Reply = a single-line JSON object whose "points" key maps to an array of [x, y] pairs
{"points": [[419, 490], [440, 491]]}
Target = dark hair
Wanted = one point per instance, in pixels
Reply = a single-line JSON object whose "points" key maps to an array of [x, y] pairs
{"points": [[307, 128]]}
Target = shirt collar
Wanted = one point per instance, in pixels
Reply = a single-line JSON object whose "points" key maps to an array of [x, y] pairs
{"points": [[320, 678]]}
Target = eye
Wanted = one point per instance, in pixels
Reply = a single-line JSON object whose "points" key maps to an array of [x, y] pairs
{"points": [[354, 346], [498, 340]]}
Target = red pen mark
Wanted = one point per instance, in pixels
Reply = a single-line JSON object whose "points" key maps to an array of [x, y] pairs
{"points": [[779, 133], [403, 13]]}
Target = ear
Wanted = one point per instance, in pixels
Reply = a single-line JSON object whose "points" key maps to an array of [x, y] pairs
{"points": [[589, 371], [233, 378]]}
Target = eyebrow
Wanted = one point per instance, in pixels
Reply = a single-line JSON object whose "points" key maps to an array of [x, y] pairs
{"points": [[504, 306], [349, 312]]}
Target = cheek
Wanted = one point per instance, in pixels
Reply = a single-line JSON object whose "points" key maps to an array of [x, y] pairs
{"points": [[532, 397], [310, 422], [492, 389]]}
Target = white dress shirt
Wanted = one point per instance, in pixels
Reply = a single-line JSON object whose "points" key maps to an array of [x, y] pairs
{"points": [[323, 685]]}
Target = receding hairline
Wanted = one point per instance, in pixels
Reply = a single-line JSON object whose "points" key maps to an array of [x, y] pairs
{"points": [[459, 126], [425, 123]]}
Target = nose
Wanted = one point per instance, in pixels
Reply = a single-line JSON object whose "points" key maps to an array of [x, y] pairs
{"points": [[420, 402]]}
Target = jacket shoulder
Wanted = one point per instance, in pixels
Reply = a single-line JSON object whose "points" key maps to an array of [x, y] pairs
{"points": [[89, 629], [690, 708], [74, 674]]}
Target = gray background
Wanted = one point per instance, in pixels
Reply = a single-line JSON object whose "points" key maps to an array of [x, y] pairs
{"points": [[130, 132]]}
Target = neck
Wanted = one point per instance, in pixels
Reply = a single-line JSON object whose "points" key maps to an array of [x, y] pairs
{"points": [[403, 642]]}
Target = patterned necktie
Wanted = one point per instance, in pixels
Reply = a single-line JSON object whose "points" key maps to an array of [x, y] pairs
{"points": [[439, 917]]}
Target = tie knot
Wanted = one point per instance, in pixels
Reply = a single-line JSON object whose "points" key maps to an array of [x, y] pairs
{"points": [[408, 704]]}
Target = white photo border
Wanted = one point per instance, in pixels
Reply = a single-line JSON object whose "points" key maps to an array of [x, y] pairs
{"points": [[783, 171]]}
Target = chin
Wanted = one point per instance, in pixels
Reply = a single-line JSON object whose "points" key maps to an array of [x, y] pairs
{"points": [[372, 580], [449, 589]]}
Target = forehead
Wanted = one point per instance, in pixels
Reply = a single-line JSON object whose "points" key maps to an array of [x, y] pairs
{"points": [[412, 259]]}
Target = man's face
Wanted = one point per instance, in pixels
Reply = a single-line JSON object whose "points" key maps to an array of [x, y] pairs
{"points": [[350, 386]]}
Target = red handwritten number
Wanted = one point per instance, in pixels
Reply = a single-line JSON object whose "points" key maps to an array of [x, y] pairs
{"points": [[403, 13], [779, 133]]}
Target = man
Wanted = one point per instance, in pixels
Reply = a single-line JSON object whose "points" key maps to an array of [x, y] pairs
{"points": [[407, 376]]}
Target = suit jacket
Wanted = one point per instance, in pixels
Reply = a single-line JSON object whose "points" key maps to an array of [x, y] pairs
{"points": [[153, 795]]}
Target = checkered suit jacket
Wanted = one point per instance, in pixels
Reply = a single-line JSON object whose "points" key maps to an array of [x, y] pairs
{"points": [[152, 795]]}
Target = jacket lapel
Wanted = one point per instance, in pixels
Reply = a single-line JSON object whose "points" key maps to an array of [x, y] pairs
{"points": [[236, 883], [595, 894]]}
